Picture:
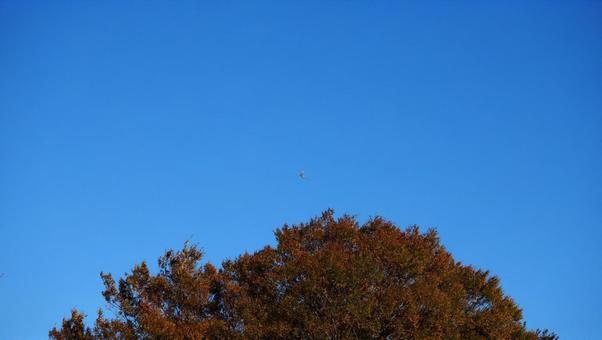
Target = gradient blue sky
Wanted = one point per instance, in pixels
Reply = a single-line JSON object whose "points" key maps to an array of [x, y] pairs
{"points": [[127, 128]]}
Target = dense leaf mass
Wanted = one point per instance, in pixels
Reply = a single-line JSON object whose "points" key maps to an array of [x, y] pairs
{"points": [[327, 279]]}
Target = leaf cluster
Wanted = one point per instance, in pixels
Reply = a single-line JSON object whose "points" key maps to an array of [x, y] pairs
{"points": [[330, 278]]}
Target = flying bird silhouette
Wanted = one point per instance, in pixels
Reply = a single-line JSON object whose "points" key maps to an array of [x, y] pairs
{"points": [[302, 174]]}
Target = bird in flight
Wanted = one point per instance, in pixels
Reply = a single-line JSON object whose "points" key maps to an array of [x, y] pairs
{"points": [[302, 174]]}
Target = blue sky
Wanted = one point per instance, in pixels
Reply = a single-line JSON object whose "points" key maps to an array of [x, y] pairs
{"points": [[127, 128]]}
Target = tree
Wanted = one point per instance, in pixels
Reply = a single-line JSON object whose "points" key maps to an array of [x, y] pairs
{"points": [[326, 279]]}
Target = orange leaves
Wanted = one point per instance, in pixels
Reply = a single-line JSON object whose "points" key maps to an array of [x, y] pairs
{"points": [[328, 278]]}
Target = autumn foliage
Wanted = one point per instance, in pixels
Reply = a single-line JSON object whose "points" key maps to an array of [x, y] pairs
{"points": [[327, 279]]}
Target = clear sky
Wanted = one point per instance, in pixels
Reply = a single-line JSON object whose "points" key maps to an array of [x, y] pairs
{"points": [[129, 127]]}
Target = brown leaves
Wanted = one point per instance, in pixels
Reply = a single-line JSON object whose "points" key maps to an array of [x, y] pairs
{"points": [[330, 278]]}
